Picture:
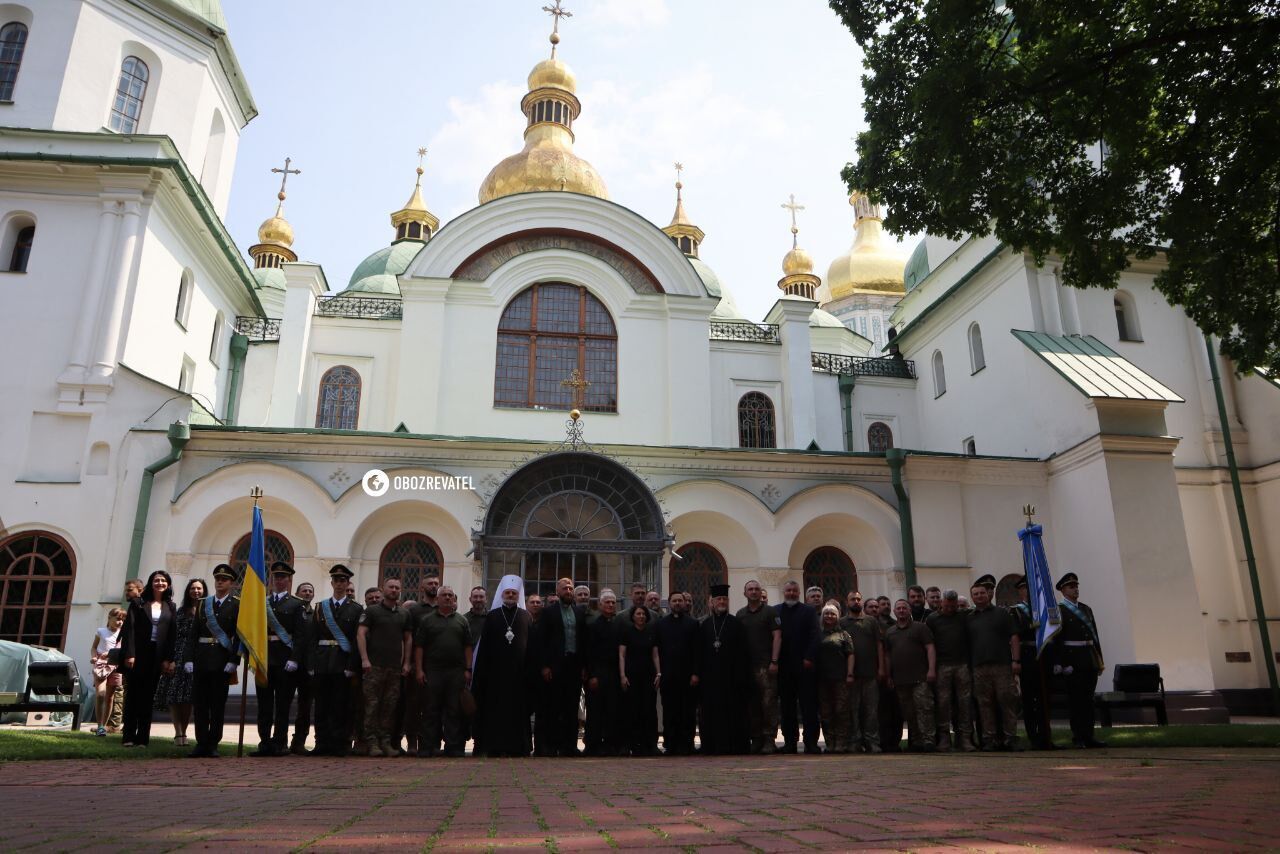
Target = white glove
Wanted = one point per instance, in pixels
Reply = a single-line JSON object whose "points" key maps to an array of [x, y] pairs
{"points": [[230, 668], [348, 673], [291, 667], [189, 667]]}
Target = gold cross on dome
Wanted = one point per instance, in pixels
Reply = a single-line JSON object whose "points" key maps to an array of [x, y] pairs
{"points": [[793, 207], [556, 12], [284, 175], [579, 385]]}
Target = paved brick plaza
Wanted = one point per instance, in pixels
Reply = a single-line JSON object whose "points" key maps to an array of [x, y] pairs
{"points": [[1221, 799]]}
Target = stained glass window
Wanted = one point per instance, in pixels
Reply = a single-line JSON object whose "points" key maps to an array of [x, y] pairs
{"points": [[338, 407], [879, 437], [756, 422]]}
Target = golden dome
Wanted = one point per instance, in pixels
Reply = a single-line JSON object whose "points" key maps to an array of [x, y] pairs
{"points": [[872, 262], [797, 262], [552, 74], [276, 231], [547, 162]]}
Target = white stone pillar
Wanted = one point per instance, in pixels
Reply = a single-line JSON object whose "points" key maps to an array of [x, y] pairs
{"points": [[90, 303], [1048, 284], [421, 363], [303, 283], [688, 356], [112, 319], [797, 422], [1068, 304]]}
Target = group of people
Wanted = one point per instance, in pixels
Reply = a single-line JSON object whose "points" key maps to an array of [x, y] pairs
{"points": [[390, 677]]}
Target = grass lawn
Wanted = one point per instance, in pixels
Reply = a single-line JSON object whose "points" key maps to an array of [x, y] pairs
{"points": [[17, 744]]}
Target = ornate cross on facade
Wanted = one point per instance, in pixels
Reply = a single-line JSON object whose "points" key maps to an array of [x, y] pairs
{"points": [[579, 385], [284, 175], [556, 12], [793, 207]]}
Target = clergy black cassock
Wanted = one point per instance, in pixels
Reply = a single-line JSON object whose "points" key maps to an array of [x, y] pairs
{"points": [[499, 682], [723, 666]]}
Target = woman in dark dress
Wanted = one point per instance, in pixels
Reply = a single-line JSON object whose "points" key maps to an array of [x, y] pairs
{"points": [[174, 689], [148, 649], [638, 666]]}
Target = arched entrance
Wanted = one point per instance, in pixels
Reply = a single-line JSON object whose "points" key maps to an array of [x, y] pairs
{"points": [[37, 572], [577, 515], [831, 569]]}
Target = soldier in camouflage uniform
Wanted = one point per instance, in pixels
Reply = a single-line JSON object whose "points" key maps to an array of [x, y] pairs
{"points": [[997, 654], [868, 667], [764, 641], [385, 642], [951, 638], [912, 672]]}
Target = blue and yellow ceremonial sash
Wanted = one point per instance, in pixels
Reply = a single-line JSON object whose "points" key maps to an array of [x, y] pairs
{"points": [[1084, 618], [329, 620], [276, 628], [215, 628]]}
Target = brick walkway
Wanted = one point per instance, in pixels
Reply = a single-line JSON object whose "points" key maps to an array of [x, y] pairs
{"points": [[1100, 799]]}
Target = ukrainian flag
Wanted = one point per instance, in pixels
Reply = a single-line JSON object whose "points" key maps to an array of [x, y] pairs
{"points": [[251, 623]]}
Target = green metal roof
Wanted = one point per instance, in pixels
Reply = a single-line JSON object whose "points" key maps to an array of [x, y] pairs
{"points": [[1095, 369], [710, 280], [209, 11], [377, 273], [269, 277], [917, 266]]}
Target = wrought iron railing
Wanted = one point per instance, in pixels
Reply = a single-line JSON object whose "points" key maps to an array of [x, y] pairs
{"points": [[367, 308], [864, 366], [744, 330], [259, 328]]}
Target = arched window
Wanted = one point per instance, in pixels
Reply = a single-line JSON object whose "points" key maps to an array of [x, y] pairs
{"points": [[1007, 591], [977, 359], [832, 570], [275, 547], [13, 42], [126, 109], [409, 557], [338, 407], [216, 341], [23, 235], [755, 421], [1127, 317], [698, 567], [879, 437], [37, 571], [186, 284], [546, 333], [939, 375]]}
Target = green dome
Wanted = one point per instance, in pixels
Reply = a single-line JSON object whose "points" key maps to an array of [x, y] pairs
{"points": [[377, 273], [710, 280], [917, 266], [821, 318], [269, 277]]}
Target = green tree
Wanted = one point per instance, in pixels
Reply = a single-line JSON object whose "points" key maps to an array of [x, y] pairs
{"points": [[987, 115]]}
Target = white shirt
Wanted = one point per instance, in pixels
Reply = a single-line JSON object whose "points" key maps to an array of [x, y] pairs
{"points": [[155, 619], [107, 640]]}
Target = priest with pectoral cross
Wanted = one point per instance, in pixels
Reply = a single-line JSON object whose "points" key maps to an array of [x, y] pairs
{"points": [[723, 666], [498, 684]]}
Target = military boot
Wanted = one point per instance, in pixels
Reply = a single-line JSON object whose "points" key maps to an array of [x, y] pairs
{"points": [[944, 742], [384, 744], [966, 743]]}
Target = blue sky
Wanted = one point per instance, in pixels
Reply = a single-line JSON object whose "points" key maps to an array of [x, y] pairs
{"points": [[759, 100]]}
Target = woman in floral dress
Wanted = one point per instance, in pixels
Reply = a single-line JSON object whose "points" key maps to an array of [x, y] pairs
{"points": [[174, 689]]}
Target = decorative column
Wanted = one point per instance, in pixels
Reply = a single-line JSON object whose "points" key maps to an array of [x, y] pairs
{"points": [[71, 381], [112, 319], [303, 283]]}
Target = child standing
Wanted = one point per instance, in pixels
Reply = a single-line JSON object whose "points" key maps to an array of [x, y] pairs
{"points": [[106, 674]]}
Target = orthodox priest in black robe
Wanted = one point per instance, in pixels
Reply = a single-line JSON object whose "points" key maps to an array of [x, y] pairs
{"points": [[499, 681], [723, 666]]}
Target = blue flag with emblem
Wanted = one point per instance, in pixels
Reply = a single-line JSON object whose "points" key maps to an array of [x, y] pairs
{"points": [[1044, 605], [251, 623]]}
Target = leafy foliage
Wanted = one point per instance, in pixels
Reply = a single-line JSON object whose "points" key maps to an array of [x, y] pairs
{"points": [[989, 116]]}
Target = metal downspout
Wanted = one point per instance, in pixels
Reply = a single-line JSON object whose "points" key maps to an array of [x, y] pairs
{"points": [[897, 459], [1259, 609], [179, 435], [239, 350], [846, 408]]}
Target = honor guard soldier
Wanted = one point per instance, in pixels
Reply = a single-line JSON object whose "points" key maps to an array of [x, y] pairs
{"points": [[1034, 713], [286, 653], [213, 654], [332, 661], [1078, 658]]}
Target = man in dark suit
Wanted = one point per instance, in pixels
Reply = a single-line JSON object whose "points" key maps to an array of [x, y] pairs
{"points": [[213, 653], [286, 653], [332, 660], [562, 650]]}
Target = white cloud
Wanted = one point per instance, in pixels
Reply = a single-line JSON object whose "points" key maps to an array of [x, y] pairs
{"points": [[616, 14]]}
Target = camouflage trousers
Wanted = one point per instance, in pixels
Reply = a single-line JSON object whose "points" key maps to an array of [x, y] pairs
{"points": [[864, 714], [833, 709], [916, 701], [762, 711], [955, 691], [381, 697], [115, 718], [997, 703]]}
